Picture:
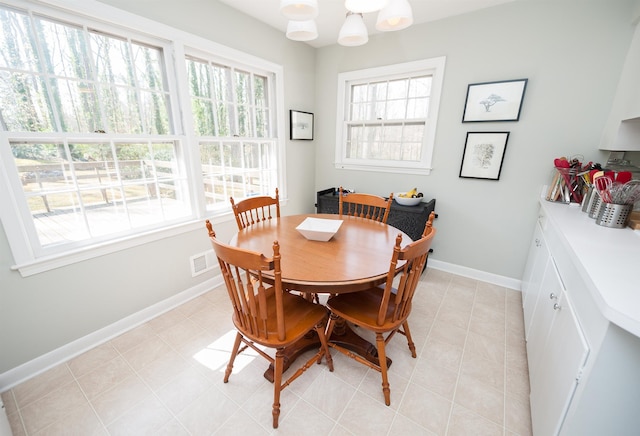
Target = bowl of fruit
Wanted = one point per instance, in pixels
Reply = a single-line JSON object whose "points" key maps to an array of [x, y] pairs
{"points": [[409, 198]]}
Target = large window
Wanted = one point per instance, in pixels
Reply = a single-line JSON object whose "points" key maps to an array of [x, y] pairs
{"points": [[387, 117], [95, 145], [234, 130]]}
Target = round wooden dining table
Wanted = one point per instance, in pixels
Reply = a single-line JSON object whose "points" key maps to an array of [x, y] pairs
{"points": [[357, 257]]}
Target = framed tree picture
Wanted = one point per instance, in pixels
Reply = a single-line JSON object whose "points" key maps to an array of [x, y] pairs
{"points": [[483, 155], [494, 101], [301, 125]]}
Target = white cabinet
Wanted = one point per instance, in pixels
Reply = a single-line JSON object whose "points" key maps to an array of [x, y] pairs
{"points": [[557, 352], [584, 355], [556, 346]]}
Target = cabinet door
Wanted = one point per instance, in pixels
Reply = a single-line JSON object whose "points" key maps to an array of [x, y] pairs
{"points": [[558, 369], [542, 316], [533, 274]]}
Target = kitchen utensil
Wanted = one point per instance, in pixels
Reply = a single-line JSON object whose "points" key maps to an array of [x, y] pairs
{"points": [[627, 193], [603, 186], [623, 177]]}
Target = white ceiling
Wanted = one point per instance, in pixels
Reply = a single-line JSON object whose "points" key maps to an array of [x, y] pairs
{"points": [[332, 14]]}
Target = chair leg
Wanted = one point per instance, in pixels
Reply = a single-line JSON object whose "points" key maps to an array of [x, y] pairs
{"points": [[382, 357], [234, 353], [407, 333], [277, 385], [330, 325], [325, 347]]}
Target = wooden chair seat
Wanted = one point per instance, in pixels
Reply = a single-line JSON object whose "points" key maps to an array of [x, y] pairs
{"points": [[385, 309], [300, 317], [362, 308]]}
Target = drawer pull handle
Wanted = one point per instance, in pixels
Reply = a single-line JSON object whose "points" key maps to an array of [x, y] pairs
{"points": [[553, 296], [556, 306]]}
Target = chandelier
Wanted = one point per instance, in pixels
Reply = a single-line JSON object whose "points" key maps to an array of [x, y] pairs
{"points": [[392, 15]]}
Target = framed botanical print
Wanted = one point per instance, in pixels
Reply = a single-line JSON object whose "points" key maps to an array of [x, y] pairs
{"points": [[483, 155], [494, 101], [301, 125]]}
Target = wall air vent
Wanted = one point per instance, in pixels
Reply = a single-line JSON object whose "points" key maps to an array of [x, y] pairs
{"points": [[202, 262]]}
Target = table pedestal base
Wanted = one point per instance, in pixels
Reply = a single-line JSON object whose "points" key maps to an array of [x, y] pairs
{"points": [[342, 335]]}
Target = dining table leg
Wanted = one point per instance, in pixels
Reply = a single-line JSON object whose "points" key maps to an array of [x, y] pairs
{"points": [[342, 335]]}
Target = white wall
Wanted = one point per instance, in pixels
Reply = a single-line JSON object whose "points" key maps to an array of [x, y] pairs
{"points": [[572, 54]]}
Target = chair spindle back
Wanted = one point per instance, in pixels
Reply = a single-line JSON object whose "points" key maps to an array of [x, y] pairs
{"points": [[367, 206], [243, 275], [253, 210]]}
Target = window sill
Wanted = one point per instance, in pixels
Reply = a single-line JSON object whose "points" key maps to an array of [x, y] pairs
{"points": [[48, 263], [384, 169]]}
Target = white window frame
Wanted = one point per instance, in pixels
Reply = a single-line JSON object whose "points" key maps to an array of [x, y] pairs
{"points": [[29, 262], [433, 67]]}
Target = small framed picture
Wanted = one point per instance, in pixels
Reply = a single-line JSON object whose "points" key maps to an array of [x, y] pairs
{"points": [[301, 125], [483, 155], [494, 101]]}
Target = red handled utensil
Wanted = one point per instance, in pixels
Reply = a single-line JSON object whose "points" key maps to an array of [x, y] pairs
{"points": [[603, 186], [623, 177]]}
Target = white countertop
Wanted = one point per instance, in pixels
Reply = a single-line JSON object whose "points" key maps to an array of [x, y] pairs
{"points": [[608, 259]]}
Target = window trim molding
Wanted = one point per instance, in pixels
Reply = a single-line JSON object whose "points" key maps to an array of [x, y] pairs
{"points": [[437, 66]]}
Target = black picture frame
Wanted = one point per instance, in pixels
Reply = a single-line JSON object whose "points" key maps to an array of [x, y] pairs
{"points": [[494, 101], [300, 125], [483, 155]]}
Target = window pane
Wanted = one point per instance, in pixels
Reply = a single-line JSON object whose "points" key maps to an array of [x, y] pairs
{"points": [[148, 67], [66, 48], [78, 106], [156, 115], [18, 50], [23, 103], [113, 63], [260, 94], [123, 113], [418, 108], [396, 109], [199, 79]]}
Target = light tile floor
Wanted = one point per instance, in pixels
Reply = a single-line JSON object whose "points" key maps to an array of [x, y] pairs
{"points": [[165, 377]]}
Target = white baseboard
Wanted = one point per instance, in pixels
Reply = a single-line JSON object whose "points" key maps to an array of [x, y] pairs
{"points": [[495, 279], [47, 361]]}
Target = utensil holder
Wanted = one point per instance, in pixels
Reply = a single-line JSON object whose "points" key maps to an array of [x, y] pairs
{"points": [[614, 215], [596, 202], [588, 199]]}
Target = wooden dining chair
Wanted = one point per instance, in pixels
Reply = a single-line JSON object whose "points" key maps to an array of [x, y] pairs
{"points": [[368, 206], [264, 315], [255, 209], [385, 309]]}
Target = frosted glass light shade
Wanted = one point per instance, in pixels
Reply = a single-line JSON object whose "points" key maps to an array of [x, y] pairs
{"points": [[364, 6], [300, 10], [302, 30], [396, 15], [353, 31]]}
